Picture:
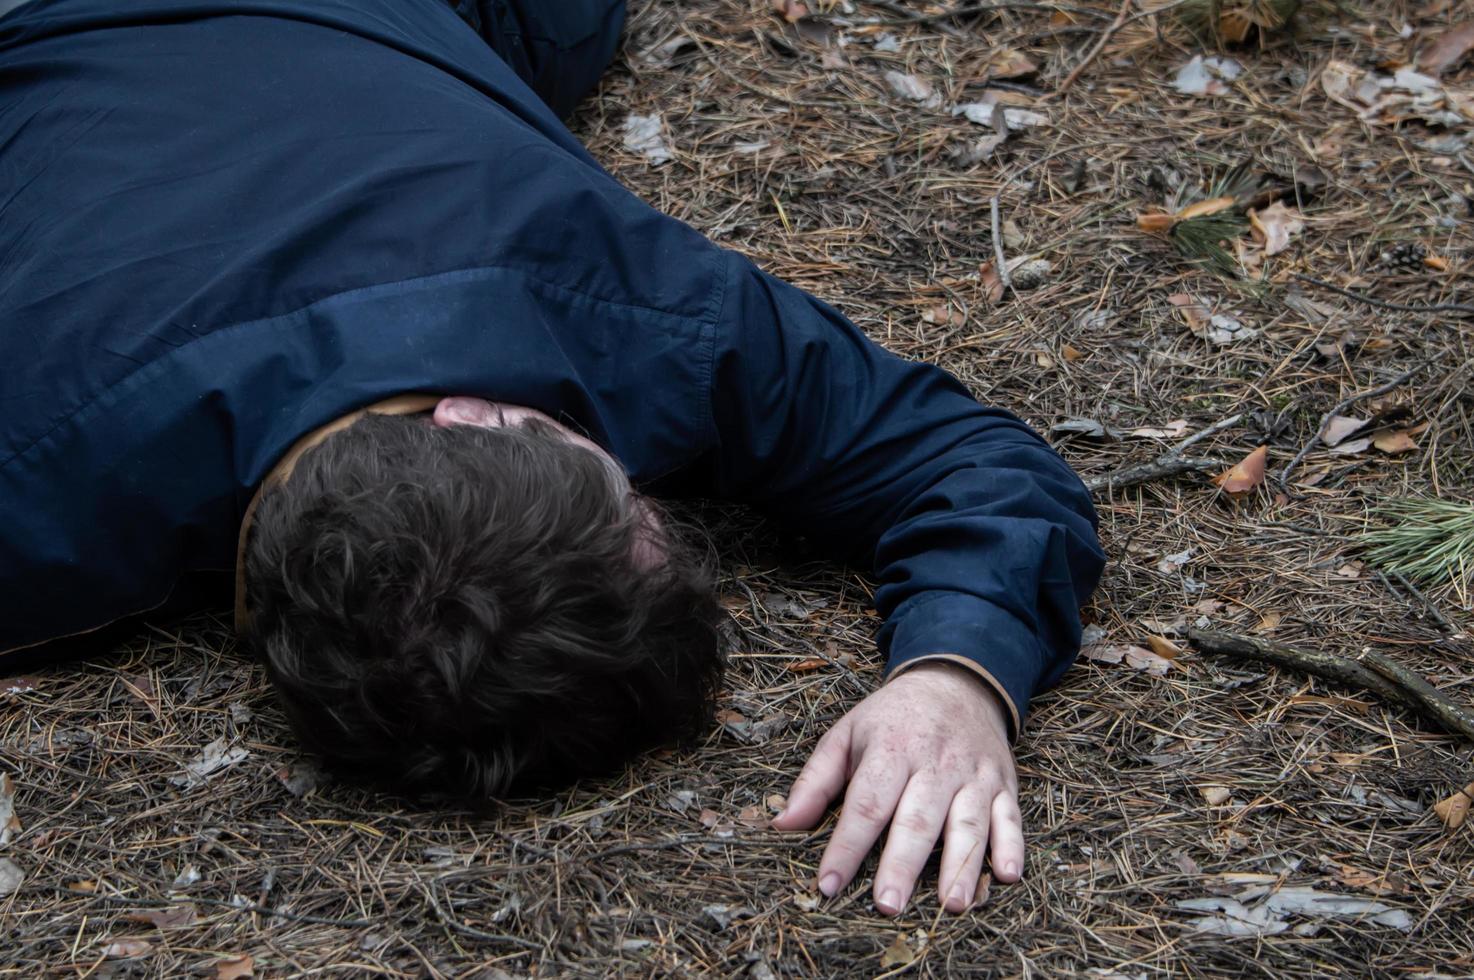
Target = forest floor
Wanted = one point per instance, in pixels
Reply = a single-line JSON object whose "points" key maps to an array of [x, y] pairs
{"points": [[1189, 816]]}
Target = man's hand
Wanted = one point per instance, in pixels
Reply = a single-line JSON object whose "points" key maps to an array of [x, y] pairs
{"points": [[928, 752]]}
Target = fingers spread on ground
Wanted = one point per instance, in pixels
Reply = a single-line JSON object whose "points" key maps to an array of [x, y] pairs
{"points": [[914, 830], [963, 848], [1007, 837], [819, 783], [868, 805]]}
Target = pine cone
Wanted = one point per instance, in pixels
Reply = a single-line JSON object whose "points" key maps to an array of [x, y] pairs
{"points": [[1403, 257]]}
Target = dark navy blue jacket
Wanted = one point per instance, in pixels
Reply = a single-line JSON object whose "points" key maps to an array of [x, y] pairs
{"points": [[224, 223]]}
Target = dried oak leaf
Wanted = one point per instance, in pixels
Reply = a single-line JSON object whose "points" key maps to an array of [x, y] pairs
{"points": [[1245, 475]]}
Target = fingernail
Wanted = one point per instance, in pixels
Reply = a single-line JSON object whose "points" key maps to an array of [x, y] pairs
{"points": [[829, 884], [1011, 869], [958, 898], [889, 902]]}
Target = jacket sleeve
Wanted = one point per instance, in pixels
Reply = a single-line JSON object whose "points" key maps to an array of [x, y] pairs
{"points": [[982, 539]]}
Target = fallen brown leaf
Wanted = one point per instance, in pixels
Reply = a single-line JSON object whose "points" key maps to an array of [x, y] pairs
{"points": [[1009, 63], [1215, 795], [754, 817], [898, 953], [235, 967], [804, 666], [1351, 448], [1274, 226], [1399, 441], [991, 282], [1340, 428], [1454, 810], [1164, 647], [1448, 49], [178, 917], [1245, 475], [1138, 658], [790, 10]]}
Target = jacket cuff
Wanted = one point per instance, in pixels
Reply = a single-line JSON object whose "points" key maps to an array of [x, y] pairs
{"points": [[994, 644]]}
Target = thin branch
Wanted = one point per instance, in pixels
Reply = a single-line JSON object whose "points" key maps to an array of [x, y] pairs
{"points": [[1211, 430], [998, 256], [465, 930], [1166, 466], [1413, 590], [905, 17], [1341, 406], [1100, 43], [1371, 672], [158, 903], [1465, 308]]}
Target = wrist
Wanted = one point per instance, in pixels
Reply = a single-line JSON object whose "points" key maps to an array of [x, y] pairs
{"points": [[964, 681]]}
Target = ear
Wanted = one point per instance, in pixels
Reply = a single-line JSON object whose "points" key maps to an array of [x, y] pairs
{"points": [[461, 410]]}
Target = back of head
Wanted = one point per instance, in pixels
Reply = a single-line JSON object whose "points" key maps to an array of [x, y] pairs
{"points": [[460, 610]]}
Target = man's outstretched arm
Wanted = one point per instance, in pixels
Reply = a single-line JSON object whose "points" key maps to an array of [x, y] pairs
{"points": [[984, 545]]}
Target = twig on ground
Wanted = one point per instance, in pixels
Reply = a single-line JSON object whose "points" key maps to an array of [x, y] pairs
{"points": [[457, 926], [1370, 671], [1211, 430], [1341, 406], [1433, 611], [998, 256], [1095, 49], [1431, 703], [1171, 463], [905, 17], [1465, 308], [158, 903], [1160, 468]]}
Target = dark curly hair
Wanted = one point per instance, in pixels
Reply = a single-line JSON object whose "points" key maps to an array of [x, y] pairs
{"points": [[460, 611]]}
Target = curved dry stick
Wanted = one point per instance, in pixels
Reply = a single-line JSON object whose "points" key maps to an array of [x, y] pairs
{"points": [[1398, 684], [1341, 406]]}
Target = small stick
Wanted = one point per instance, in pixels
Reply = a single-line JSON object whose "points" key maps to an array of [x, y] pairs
{"points": [[1397, 684], [157, 903], [474, 933], [967, 10], [1341, 406], [1100, 43], [998, 256], [1433, 610], [1384, 305], [1211, 430], [1433, 703], [1169, 465]]}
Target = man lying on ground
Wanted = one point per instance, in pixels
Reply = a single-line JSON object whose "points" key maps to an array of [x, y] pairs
{"points": [[328, 284]]}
